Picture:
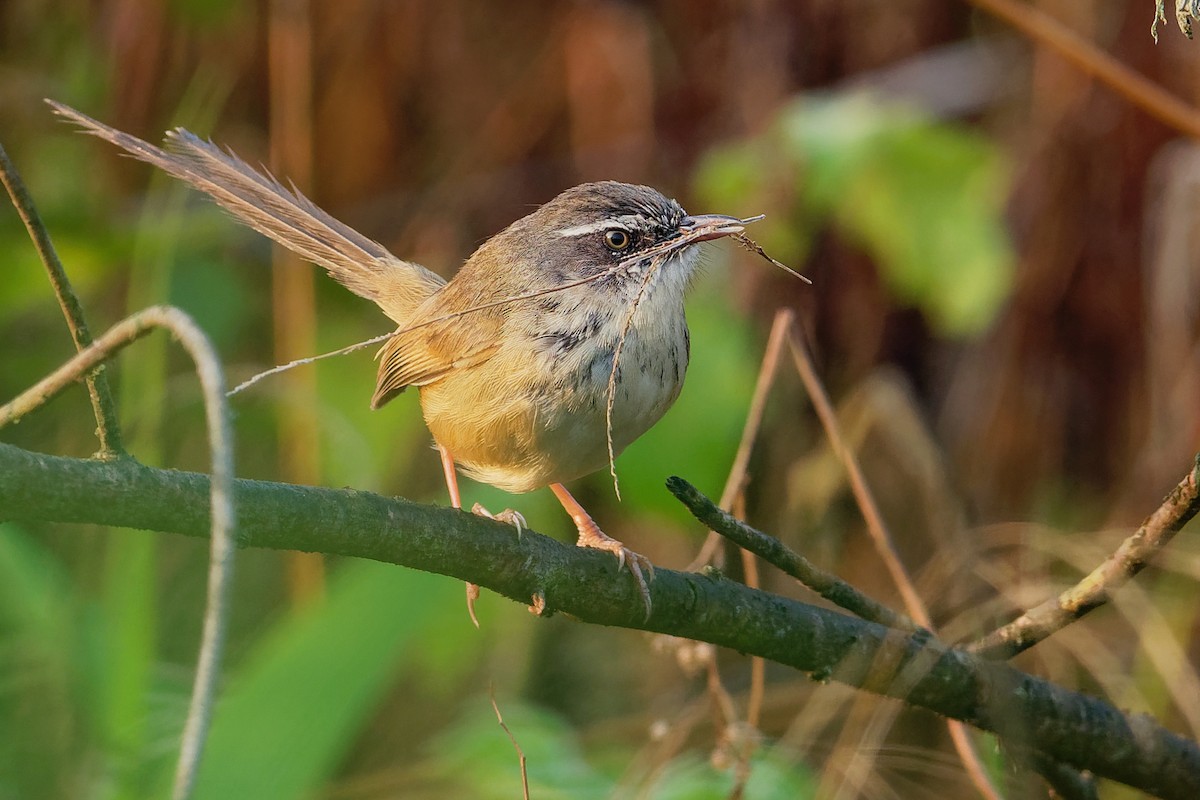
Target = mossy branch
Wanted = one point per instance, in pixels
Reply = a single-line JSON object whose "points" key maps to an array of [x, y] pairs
{"points": [[1026, 711]]}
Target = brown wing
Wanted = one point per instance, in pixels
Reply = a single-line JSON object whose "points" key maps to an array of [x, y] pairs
{"points": [[425, 354]]}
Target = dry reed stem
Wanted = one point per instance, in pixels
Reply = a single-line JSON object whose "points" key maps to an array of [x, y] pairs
{"points": [[763, 384], [293, 290], [1139, 91]]}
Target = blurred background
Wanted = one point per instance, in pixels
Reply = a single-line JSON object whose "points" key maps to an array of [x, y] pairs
{"points": [[1004, 307]]}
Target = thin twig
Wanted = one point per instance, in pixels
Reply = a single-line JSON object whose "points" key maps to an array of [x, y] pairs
{"points": [[756, 248], [107, 428], [758, 676], [882, 541], [513, 739], [1139, 91], [220, 572], [1094, 590], [779, 555]]}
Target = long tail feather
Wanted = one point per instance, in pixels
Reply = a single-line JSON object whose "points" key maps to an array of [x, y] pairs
{"points": [[258, 200]]}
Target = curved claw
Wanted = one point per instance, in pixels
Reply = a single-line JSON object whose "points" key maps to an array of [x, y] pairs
{"points": [[639, 566], [507, 516], [590, 535], [472, 596]]}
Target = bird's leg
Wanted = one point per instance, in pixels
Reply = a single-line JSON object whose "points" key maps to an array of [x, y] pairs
{"points": [[509, 516], [456, 502], [590, 535]]}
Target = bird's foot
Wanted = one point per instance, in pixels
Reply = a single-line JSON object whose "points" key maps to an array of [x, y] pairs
{"points": [[538, 606], [507, 516], [590, 535]]}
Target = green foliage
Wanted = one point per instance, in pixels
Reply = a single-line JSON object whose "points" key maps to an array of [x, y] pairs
{"points": [[476, 759], [924, 198], [297, 702], [41, 664], [771, 778]]}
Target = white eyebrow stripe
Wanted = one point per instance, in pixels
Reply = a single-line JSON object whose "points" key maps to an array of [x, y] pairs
{"points": [[627, 223]]}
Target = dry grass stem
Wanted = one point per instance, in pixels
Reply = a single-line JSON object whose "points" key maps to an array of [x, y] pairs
{"points": [[882, 541], [611, 391], [513, 739], [246, 384], [754, 247], [1094, 590]]}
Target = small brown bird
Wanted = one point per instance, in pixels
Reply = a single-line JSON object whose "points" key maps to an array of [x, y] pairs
{"points": [[560, 340]]}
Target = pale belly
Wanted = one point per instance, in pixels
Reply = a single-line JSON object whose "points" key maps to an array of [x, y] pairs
{"points": [[529, 418]]}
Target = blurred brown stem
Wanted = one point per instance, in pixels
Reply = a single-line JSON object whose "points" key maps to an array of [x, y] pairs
{"points": [[1143, 93], [107, 428], [882, 540], [293, 296]]}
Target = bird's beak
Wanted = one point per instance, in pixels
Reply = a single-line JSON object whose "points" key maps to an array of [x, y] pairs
{"points": [[703, 227]]}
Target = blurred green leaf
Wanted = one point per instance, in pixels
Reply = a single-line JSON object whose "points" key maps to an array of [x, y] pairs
{"points": [[293, 708], [925, 198], [42, 669]]}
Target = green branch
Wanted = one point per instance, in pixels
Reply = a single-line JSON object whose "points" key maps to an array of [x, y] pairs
{"points": [[1026, 711]]}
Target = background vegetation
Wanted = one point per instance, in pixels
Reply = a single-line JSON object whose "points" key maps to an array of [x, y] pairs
{"points": [[1004, 303]]}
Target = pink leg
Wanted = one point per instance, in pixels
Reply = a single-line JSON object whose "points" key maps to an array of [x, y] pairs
{"points": [[456, 502], [451, 476], [590, 535]]}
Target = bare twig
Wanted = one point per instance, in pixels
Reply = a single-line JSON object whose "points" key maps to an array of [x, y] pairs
{"points": [[107, 428], [756, 248], [1143, 93], [513, 739], [779, 555], [1093, 591], [220, 572]]}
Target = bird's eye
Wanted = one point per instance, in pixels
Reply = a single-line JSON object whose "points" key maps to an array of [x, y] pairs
{"points": [[617, 240]]}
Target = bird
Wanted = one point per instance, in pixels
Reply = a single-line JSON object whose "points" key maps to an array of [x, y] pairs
{"points": [[560, 340]]}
